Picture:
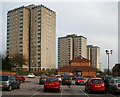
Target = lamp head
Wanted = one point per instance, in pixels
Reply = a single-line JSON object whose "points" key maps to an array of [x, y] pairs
{"points": [[111, 51], [107, 52]]}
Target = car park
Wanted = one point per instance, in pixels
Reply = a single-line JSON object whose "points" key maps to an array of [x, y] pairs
{"points": [[114, 85], [20, 78], [9, 82], [31, 75], [80, 81], [52, 83], [95, 85]]}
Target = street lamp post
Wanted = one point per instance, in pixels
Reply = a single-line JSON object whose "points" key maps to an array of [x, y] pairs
{"points": [[108, 52]]}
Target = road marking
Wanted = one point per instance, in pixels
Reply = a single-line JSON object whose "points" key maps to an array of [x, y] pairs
{"points": [[35, 94], [61, 92], [84, 93]]}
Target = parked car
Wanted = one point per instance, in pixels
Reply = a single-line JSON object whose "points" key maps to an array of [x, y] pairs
{"points": [[95, 85], [59, 78], [74, 77], [9, 82], [20, 78], [66, 80], [80, 81], [52, 83], [43, 79], [114, 85], [31, 75]]}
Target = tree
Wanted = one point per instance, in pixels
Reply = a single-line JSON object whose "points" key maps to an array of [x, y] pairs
{"points": [[6, 65], [18, 60]]}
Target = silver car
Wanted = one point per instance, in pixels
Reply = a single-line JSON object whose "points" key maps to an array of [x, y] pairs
{"points": [[9, 82], [114, 85]]}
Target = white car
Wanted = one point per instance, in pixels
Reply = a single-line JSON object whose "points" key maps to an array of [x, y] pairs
{"points": [[31, 75], [114, 85]]}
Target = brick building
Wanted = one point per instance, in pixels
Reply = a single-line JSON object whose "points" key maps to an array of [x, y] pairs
{"points": [[116, 70], [80, 61], [84, 71], [80, 66]]}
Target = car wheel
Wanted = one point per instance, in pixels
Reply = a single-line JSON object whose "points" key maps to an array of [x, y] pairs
{"points": [[89, 91], [10, 88], [104, 92], [113, 92], [18, 87], [58, 90], [45, 90], [85, 89]]}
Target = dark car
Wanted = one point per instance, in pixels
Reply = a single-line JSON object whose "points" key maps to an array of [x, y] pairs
{"points": [[20, 78], [80, 81], [95, 85], [9, 82], [66, 80], [42, 79], [74, 77], [52, 83]]}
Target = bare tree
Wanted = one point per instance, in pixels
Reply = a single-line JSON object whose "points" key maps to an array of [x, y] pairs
{"points": [[18, 60]]}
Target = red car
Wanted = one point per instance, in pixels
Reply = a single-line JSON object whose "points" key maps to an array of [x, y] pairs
{"points": [[52, 83], [95, 85], [80, 81], [20, 78]]}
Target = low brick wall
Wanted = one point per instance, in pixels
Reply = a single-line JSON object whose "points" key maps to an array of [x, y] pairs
{"points": [[7, 73]]}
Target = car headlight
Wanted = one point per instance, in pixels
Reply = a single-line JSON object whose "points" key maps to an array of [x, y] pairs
{"points": [[7, 83]]}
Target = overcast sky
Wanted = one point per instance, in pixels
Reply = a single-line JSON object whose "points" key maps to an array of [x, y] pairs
{"points": [[97, 21]]}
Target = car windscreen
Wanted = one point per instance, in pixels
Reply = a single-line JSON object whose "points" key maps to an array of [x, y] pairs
{"points": [[80, 78], [117, 81], [30, 74], [97, 81], [52, 80], [3, 78], [66, 78], [44, 77]]}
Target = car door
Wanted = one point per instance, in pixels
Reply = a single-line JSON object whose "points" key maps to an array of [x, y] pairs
{"points": [[11, 80], [111, 85], [87, 84], [14, 82]]}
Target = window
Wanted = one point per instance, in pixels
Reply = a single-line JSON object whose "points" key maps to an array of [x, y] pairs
{"points": [[112, 81], [21, 28], [3, 78], [39, 24], [117, 81], [97, 81], [12, 78], [21, 17]]}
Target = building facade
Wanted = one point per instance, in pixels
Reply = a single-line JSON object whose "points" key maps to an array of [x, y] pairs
{"points": [[80, 61], [93, 54], [80, 46], [116, 70], [83, 71], [70, 47], [31, 32]]}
